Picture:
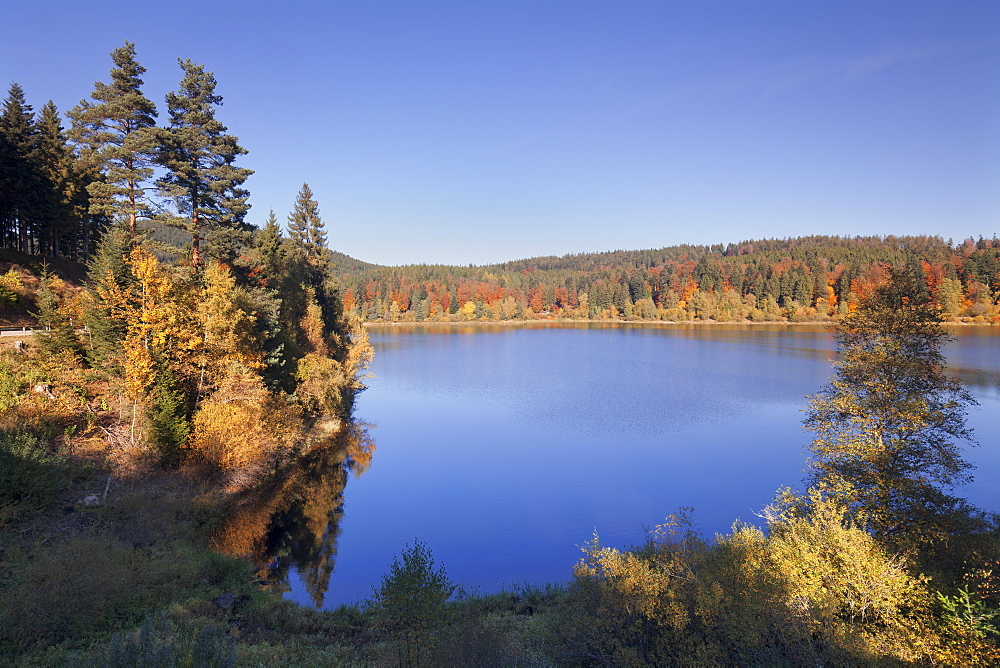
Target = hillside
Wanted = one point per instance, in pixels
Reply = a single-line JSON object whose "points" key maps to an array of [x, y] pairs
{"points": [[799, 279], [20, 277]]}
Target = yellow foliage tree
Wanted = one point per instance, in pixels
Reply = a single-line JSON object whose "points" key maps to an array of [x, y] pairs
{"points": [[226, 328], [241, 429], [812, 590], [160, 328]]}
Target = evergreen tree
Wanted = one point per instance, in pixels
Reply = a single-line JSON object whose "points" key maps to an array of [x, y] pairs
{"points": [[202, 179], [886, 427], [306, 229], [57, 186], [108, 296], [59, 334], [264, 259], [116, 134], [17, 174]]}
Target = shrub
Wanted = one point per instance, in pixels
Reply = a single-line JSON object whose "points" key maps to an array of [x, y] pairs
{"points": [[410, 602], [162, 642], [31, 477]]}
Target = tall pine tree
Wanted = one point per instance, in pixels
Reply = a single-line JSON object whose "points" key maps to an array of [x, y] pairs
{"points": [[116, 134], [202, 179]]}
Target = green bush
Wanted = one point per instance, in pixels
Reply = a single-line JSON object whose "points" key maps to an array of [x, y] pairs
{"points": [[31, 476]]}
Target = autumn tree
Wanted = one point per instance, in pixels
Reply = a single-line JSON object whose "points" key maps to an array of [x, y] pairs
{"points": [[887, 427], [115, 133], [162, 342], [199, 155]]}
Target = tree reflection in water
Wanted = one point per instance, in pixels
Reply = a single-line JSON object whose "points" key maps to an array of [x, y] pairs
{"points": [[293, 519]]}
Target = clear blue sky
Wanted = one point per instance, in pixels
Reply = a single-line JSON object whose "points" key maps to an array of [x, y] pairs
{"points": [[476, 131]]}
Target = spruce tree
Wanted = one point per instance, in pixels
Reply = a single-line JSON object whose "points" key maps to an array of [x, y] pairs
{"points": [[116, 134], [267, 254], [306, 229], [107, 296], [17, 174], [59, 334], [55, 164], [202, 179]]}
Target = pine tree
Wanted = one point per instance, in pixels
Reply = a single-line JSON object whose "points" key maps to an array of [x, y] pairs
{"points": [[886, 427], [116, 134], [199, 156]]}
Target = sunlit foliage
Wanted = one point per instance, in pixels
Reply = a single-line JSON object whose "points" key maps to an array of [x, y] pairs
{"points": [[889, 424], [811, 589]]}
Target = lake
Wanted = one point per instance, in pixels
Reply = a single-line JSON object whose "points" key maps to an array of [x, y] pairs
{"points": [[504, 448]]}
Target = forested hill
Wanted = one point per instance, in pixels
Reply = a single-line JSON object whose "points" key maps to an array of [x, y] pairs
{"points": [[800, 279]]}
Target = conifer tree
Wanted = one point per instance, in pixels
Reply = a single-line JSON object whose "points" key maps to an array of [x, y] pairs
{"points": [[105, 303], [202, 179], [57, 188], [17, 176], [306, 229], [116, 134], [264, 259], [269, 239], [59, 334]]}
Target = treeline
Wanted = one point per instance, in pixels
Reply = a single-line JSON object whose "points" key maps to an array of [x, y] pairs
{"points": [[802, 279], [61, 188], [44, 202]]}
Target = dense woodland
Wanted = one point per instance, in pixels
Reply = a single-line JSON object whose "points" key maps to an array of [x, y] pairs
{"points": [[801, 279], [203, 377]]}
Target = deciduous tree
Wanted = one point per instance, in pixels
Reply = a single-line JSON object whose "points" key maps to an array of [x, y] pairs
{"points": [[887, 428]]}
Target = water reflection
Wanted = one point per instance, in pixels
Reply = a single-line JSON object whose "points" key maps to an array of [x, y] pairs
{"points": [[520, 441], [293, 520]]}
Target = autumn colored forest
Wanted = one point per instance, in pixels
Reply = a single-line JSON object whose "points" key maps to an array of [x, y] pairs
{"points": [[191, 384], [802, 279]]}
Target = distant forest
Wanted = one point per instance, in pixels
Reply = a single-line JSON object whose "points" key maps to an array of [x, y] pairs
{"points": [[802, 279]]}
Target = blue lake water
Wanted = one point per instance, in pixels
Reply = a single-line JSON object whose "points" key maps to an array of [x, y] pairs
{"points": [[504, 448]]}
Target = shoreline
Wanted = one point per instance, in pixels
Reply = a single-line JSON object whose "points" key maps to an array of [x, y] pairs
{"points": [[379, 324]]}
